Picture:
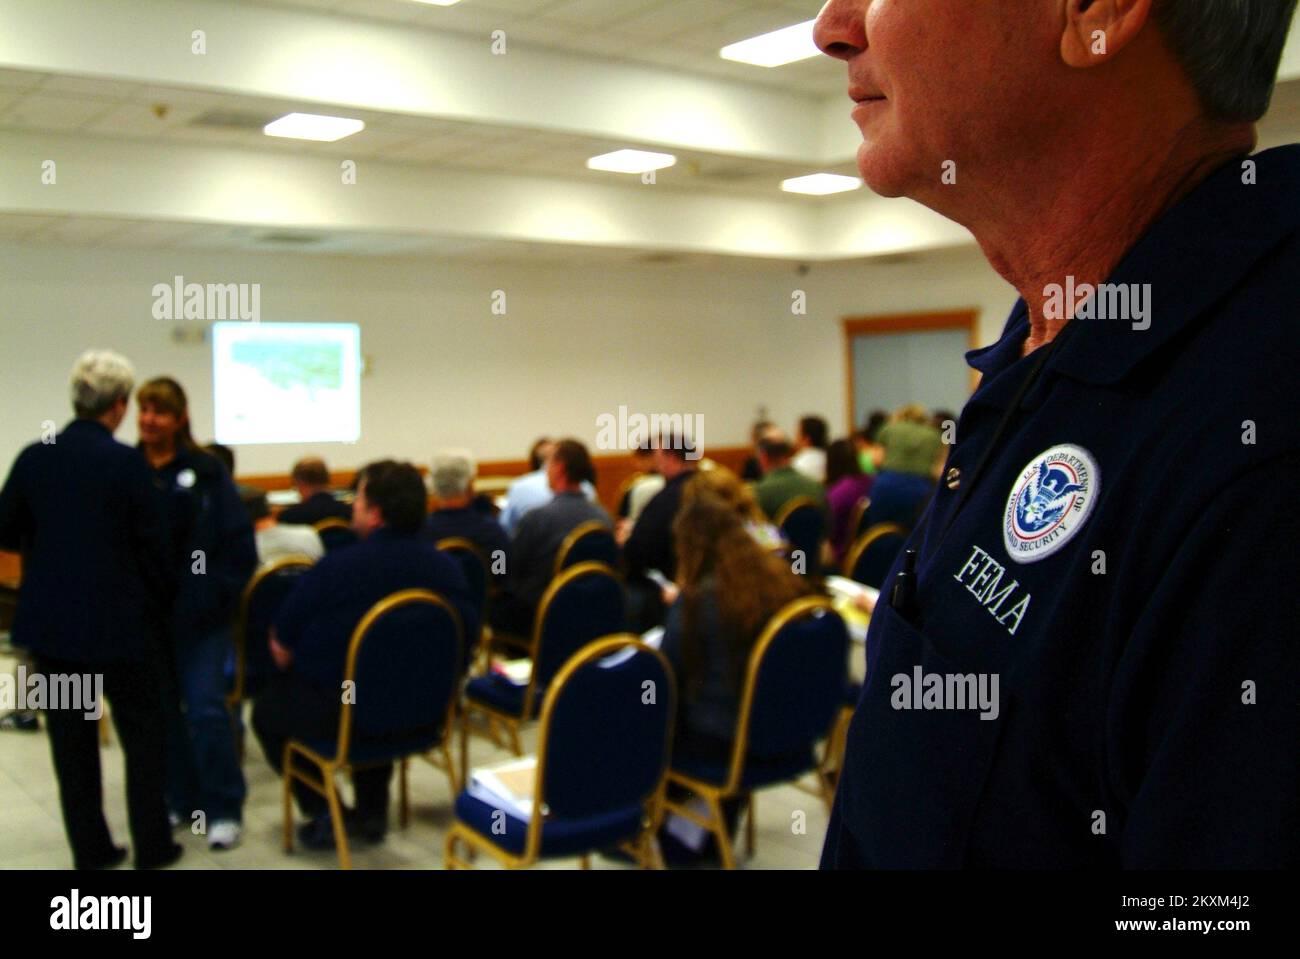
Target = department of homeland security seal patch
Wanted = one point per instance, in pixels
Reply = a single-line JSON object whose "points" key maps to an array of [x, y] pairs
{"points": [[1049, 502]]}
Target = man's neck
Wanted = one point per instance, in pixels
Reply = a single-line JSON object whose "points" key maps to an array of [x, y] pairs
{"points": [[1101, 196]]}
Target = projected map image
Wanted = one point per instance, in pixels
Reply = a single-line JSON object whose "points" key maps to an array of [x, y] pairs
{"points": [[288, 364], [286, 382]]}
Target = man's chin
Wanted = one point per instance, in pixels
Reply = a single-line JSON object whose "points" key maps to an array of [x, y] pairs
{"points": [[881, 171]]}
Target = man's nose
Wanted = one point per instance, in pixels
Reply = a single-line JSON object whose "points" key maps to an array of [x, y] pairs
{"points": [[840, 28]]}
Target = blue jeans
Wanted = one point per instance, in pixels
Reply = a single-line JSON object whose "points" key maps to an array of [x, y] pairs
{"points": [[202, 761]]}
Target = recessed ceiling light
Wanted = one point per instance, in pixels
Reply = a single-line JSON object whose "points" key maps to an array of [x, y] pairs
{"points": [[775, 49], [631, 161], [311, 126], [821, 184], [440, 3]]}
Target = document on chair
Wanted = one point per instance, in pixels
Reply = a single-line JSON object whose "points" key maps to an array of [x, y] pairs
{"points": [[508, 785], [844, 595], [517, 671]]}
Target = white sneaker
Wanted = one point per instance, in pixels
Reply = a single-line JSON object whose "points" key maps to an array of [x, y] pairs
{"points": [[224, 834]]}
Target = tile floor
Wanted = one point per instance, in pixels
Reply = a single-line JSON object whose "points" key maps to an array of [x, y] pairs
{"points": [[31, 830]]}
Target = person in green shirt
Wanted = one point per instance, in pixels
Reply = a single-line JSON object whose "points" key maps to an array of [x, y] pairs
{"points": [[781, 482]]}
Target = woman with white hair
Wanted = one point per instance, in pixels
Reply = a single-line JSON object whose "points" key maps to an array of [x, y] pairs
{"points": [[96, 586]]}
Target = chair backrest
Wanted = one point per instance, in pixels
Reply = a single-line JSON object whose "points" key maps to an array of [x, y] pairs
{"points": [[473, 564], [794, 684], [624, 495], [582, 604], [261, 600], [803, 523], [335, 533], [605, 733], [858, 518], [404, 662], [869, 559], [589, 542]]}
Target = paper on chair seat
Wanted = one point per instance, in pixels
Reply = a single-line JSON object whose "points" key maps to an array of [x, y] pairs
{"points": [[651, 637], [507, 785]]}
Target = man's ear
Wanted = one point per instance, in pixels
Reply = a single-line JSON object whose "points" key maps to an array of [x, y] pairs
{"points": [[1096, 30]]}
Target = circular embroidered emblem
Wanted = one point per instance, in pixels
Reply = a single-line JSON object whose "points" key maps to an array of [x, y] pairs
{"points": [[1049, 502]]}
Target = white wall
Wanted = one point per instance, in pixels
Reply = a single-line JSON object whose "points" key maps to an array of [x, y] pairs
{"points": [[576, 341]]}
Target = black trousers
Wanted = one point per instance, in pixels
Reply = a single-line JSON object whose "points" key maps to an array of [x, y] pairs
{"points": [[290, 708], [136, 703]]}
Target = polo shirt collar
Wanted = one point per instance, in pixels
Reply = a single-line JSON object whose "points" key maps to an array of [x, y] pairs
{"points": [[1191, 258]]}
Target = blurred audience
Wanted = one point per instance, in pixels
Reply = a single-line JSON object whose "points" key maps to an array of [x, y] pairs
{"points": [[846, 485], [540, 534], [810, 448], [781, 482], [311, 478]]}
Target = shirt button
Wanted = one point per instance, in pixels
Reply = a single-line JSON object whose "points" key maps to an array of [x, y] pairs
{"points": [[953, 478]]}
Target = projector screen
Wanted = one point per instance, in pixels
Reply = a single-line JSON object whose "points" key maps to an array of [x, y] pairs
{"points": [[286, 382]]}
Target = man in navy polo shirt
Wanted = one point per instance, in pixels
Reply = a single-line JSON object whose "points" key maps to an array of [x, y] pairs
{"points": [[313, 630], [1087, 655]]}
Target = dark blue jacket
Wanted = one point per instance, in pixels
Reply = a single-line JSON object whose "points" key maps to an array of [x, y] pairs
{"points": [[1126, 568], [315, 508], [97, 571], [205, 515], [317, 619], [472, 524]]}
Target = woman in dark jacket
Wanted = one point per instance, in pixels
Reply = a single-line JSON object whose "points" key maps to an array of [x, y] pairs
{"points": [[215, 554]]}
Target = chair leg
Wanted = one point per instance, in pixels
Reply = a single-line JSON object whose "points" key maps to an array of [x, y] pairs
{"points": [[585, 862], [516, 744], [749, 827], [404, 813], [464, 746], [287, 802], [336, 817], [719, 830]]}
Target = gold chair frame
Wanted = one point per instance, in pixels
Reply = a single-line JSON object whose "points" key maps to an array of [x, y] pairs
{"points": [[575, 534], [330, 766], [645, 848], [496, 717], [714, 794], [864, 541]]}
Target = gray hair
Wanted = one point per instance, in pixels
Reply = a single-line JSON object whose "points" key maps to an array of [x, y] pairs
{"points": [[99, 379], [450, 473], [1230, 49]]}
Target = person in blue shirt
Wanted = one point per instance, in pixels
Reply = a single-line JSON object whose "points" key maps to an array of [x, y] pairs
{"points": [[214, 553], [96, 591], [1086, 657], [533, 489], [314, 628]]}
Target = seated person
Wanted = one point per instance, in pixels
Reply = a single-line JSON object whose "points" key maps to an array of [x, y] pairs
{"points": [[730, 587], [532, 489], [726, 486], [911, 441], [541, 533], [311, 478], [314, 627], [810, 448], [455, 513], [649, 545], [751, 471], [276, 541], [914, 453], [846, 485], [781, 482], [643, 489]]}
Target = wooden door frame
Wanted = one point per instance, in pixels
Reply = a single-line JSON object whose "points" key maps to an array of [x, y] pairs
{"points": [[855, 326]]}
